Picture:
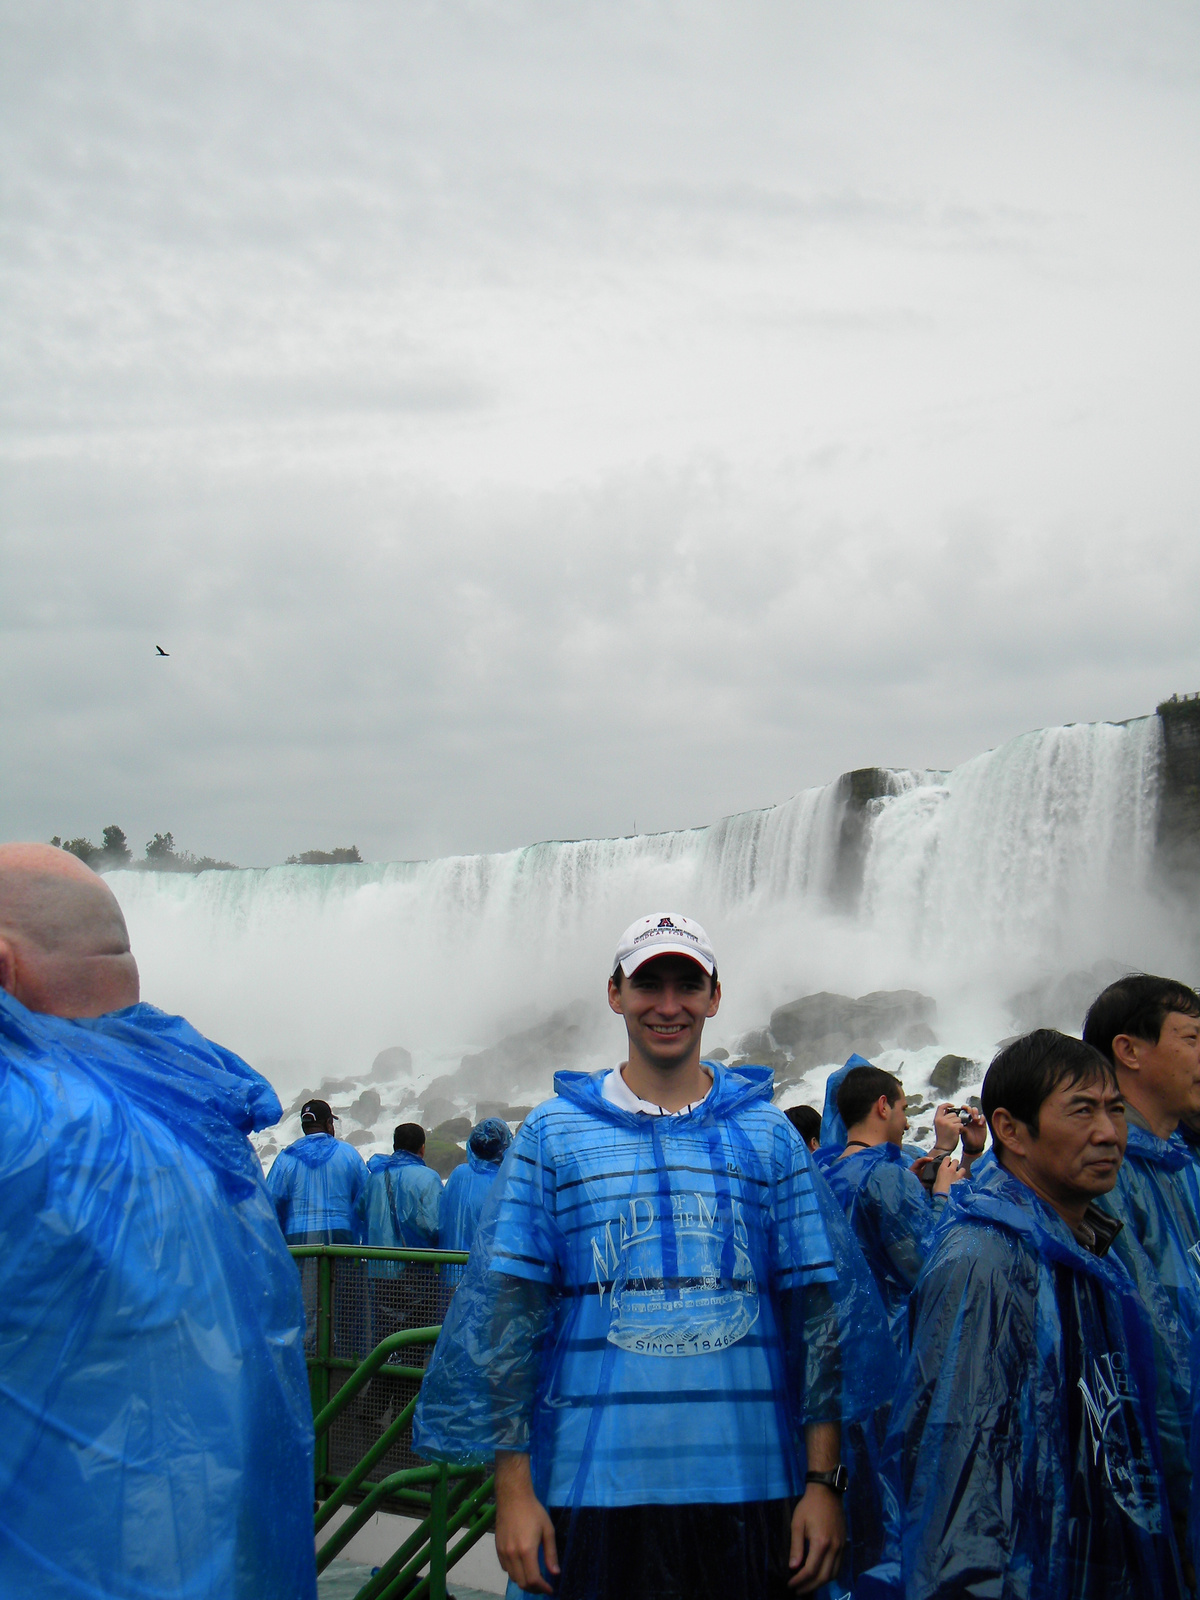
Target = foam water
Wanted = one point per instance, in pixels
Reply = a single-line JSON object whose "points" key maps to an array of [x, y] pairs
{"points": [[1026, 861]]}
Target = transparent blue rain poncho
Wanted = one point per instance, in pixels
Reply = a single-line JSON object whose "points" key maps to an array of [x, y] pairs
{"points": [[893, 1219], [655, 1307], [315, 1184], [469, 1185], [1157, 1197], [398, 1207], [1023, 1460], [157, 1437]]}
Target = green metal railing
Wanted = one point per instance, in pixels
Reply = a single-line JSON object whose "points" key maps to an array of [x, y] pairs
{"points": [[344, 1365]]}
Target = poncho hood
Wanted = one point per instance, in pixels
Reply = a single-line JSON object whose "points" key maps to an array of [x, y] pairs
{"points": [[732, 1090], [394, 1160], [488, 1142], [833, 1129], [313, 1149], [207, 1096], [858, 1159], [996, 1197], [1172, 1154]]}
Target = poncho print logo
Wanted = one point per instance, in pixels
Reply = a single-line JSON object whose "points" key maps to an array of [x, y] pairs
{"points": [[1115, 1433], [697, 1310]]}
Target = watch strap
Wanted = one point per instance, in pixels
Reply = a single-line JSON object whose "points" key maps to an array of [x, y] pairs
{"points": [[838, 1480]]}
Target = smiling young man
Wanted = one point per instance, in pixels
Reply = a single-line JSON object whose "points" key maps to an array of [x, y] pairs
{"points": [[664, 1323], [1024, 1452]]}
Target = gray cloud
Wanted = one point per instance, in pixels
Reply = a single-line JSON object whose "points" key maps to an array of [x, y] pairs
{"points": [[520, 423]]}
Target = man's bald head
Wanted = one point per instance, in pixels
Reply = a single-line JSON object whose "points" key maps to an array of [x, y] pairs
{"points": [[64, 948]]}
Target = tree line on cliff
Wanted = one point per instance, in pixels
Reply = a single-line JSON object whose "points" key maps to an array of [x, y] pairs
{"points": [[114, 855]]}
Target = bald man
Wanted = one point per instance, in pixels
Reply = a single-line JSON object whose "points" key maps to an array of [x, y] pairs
{"points": [[157, 1437]]}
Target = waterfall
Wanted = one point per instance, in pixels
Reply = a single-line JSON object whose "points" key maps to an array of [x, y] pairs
{"points": [[1026, 861]]}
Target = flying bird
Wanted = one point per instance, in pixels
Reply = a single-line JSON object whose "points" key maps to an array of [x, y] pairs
{"points": [[161, 651]]}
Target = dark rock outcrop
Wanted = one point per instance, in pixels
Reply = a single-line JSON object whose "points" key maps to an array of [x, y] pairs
{"points": [[819, 1028], [367, 1109], [859, 791], [390, 1065], [952, 1072], [454, 1131], [1062, 1001], [1179, 796], [526, 1061]]}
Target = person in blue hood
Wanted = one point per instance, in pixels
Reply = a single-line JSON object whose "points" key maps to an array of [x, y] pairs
{"points": [[157, 1437], [1149, 1029], [399, 1204], [1025, 1458], [468, 1186], [665, 1322], [316, 1182], [399, 1210]]}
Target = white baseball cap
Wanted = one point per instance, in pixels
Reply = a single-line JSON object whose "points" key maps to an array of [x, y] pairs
{"points": [[665, 933]]}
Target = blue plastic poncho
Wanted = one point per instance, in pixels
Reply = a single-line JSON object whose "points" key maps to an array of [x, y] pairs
{"points": [[893, 1220], [316, 1183], [655, 1306], [399, 1207], [1157, 1197], [468, 1186], [157, 1437], [833, 1129], [1023, 1459]]}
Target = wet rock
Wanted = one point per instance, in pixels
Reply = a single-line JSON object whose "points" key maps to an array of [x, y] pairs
{"points": [[775, 1059], [822, 1028], [1062, 1001], [443, 1157], [952, 1072], [367, 1109], [435, 1110], [716, 1055], [391, 1064], [453, 1131], [497, 1108], [755, 1044], [526, 1060], [916, 1037], [329, 1090]]}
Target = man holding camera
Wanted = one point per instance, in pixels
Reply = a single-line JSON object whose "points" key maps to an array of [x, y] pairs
{"points": [[884, 1201]]}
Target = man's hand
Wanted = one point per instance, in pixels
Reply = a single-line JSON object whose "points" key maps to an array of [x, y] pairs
{"points": [[949, 1172], [946, 1129], [523, 1525], [818, 1538], [974, 1137]]}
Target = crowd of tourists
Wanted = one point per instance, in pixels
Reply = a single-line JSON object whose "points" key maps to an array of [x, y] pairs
{"points": [[708, 1347]]}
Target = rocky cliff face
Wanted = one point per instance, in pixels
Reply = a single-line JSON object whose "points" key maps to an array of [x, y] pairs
{"points": [[1179, 798]]}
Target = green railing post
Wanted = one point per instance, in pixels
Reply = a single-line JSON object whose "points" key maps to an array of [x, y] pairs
{"points": [[458, 1501], [324, 1352], [437, 1538]]}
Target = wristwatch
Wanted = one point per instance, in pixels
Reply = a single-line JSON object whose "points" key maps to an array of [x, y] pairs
{"points": [[838, 1480]]}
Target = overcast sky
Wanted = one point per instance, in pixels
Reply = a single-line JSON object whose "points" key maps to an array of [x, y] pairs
{"points": [[526, 420]]}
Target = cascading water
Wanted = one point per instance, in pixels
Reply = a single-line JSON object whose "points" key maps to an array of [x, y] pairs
{"points": [[1022, 863]]}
